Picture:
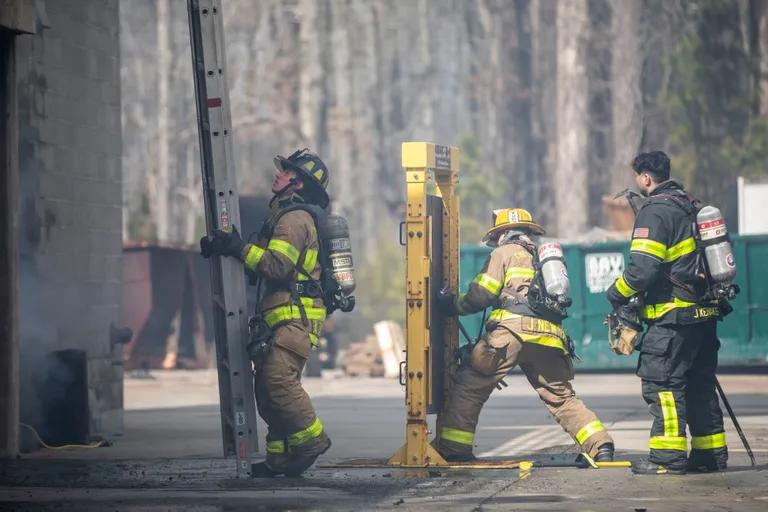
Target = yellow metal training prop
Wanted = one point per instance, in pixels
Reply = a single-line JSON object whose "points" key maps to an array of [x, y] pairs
{"points": [[427, 166]]}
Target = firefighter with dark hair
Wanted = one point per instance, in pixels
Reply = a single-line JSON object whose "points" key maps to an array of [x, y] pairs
{"points": [[524, 328], [678, 353], [290, 313]]}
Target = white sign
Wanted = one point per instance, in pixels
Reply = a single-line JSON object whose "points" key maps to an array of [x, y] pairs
{"points": [[753, 209], [602, 269]]}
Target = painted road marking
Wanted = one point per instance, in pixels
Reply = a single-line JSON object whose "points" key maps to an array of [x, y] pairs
{"points": [[631, 435]]}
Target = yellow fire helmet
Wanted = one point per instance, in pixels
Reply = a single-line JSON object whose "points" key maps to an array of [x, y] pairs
{"points": [[511, 218]]}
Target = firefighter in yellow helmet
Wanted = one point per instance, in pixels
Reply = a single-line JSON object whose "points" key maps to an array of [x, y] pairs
{"points": [[290, 313], [519, 331]]}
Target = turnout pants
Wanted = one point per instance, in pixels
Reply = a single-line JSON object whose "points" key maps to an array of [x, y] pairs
{"points": [[677, 366], [549, 371], [295, 436]]}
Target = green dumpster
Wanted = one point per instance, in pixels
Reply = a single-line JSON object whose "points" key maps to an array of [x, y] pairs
{"points": [[592, 268]]}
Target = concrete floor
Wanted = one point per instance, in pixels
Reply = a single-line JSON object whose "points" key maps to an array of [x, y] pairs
{"points": [[169, 456]]}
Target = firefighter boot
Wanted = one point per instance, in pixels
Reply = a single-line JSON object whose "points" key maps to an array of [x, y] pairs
{"points": [[460, 457], [708, 460], [605, 453], [261, 470], [300, 462], [709, 467], [646, 467]]}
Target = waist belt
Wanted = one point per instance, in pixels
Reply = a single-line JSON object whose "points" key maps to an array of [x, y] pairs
{"points": [[289, 312], [687, 312], [309, 289], [532, 330], [525, 308]]}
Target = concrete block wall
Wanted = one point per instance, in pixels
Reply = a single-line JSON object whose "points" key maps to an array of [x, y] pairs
{"points": [[70, 201]]}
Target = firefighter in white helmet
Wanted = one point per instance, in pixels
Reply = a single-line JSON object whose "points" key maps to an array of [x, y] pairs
{"points": [[521, 330]]}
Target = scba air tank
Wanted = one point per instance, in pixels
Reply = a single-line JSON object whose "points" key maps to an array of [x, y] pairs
{"points": [[339, 248], [553, 271], [717, 246]]}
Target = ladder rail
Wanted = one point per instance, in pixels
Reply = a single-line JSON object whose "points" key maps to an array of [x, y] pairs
{"points": [[219, 182]]}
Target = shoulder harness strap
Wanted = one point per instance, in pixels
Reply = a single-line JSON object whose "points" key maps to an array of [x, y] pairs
{"points": [[267, 230]]}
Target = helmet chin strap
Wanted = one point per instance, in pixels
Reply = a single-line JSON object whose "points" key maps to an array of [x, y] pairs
{"points": [[282, 192]]}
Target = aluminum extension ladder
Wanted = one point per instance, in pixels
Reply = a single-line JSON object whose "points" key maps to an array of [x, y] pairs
{"points": [[230, 315]]}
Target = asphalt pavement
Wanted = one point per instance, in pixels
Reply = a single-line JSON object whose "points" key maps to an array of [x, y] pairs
{"points": [[169, 456]]}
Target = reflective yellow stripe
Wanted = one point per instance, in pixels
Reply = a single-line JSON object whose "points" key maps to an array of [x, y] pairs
{"points": [[708, 442], [680, 249], [292, 312], [284, 248], [648, 246], [499, 315], [253, 257], [588, 430], [518, 272], [488, 283], [276, 446], [623, 287], [543, 339], [310, 260], [313, 339], [457, 436], [668, 443], [669, 412], [304, 436], [654, 311]]}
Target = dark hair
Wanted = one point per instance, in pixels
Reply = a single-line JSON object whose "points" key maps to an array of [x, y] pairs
{"points": [[655, 163]]}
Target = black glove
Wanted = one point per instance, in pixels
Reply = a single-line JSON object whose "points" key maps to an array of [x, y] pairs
{"points": [[446, 302], [614, 297], [222, 243]]}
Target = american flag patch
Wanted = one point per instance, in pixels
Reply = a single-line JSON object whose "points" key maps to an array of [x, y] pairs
{"points": [[640, 233]]}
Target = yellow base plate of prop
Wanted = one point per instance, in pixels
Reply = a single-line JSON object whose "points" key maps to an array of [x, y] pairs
{"points": [[383, 463], [524, 464]]}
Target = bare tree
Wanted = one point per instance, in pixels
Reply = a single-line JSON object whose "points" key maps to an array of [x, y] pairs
{"points": [[572, 165], [627, 101]]}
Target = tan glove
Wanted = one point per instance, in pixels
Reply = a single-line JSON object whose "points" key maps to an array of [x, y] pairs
{"points": [[624, 344]]}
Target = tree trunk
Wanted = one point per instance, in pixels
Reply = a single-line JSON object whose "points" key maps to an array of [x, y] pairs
{"points": [[571, 169], [627, 111], [159, 202], [763, 52], [544, 118]]}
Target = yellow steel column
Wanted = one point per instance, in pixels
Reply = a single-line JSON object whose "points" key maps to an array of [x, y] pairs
{"points": [[418, 159], [446, 177]]}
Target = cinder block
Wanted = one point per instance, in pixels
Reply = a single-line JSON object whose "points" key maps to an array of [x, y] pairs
{"points": [[63, 163]]}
